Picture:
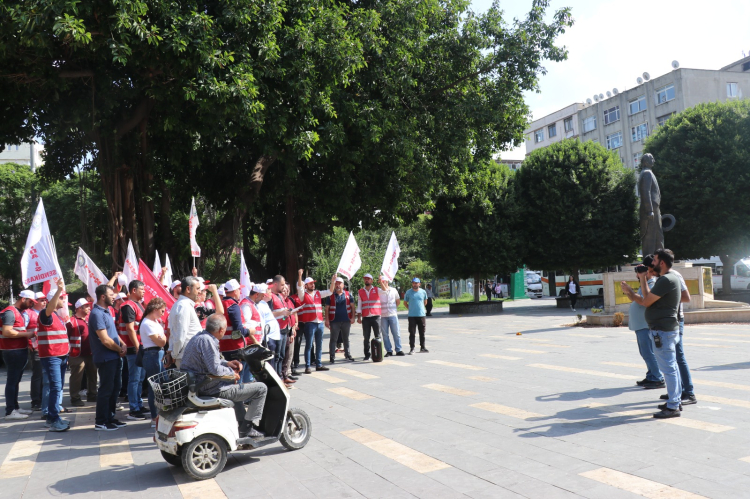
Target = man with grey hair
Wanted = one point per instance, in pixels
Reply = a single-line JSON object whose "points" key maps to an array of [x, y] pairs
{"points": [[183, 320], [201, 357]]}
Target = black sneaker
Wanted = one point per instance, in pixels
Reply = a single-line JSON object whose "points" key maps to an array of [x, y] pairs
{"points": [[653, 385], [411, 352], [253, 433], [350, 358], [293, 377], [400, 354], [667, 413], [641, 382], [119, 423], [105, 427], [136, 416], [664, 397], [332, 361], [322, 368], [389, 354], [308, 370], [689, 399], [367, 357], [664, 407], [423, 350], [294, 373]]}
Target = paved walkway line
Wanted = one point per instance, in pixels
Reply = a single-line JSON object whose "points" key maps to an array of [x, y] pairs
{"points": [[326, 377], [504, 357], [21, 459], [524, 350], [484, 378], [582, 335], [707, 345], [349, 393], [714, 338], [460, 366], [449, 389], [746, 459], [507, 411], [725, 401], [590, 372], [638, 485], [540, 342], [84, 420], [624, 364], [115, 452], [619, 411], [720, 384], [421, 463], [356, 374], [390, 362], [196, 489]]}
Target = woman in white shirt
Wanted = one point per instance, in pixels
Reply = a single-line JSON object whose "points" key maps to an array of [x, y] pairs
{"points": [[153, 339]]}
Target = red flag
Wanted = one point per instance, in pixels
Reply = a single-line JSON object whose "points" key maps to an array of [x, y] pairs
{"points": [[153, 288]]}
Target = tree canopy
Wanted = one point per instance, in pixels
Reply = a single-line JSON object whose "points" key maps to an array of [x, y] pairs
{"points": [[701, 158], [578, 207]]}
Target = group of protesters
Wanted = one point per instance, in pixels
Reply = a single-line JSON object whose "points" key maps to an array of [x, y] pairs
{"points": [[113, 341]]}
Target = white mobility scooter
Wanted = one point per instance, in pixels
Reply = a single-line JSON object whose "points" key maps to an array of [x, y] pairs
{"points": [[197, 432]]}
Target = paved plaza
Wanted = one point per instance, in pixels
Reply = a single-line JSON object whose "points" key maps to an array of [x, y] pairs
{"points": [[553, 413]]}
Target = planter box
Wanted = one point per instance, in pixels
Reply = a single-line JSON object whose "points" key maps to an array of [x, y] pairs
{"points": [[481, 307], [583, 302]]}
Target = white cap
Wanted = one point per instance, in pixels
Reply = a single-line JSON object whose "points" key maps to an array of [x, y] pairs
{"points": [[222, 291], [309, 280], [260, 288], [51, 295], [231, 285], [27, 293], [121, 296], [122, 280], [384, 279], [339, 279], [40, 296], [175, 284], [269, 281], [368, 275], [81, 302]]}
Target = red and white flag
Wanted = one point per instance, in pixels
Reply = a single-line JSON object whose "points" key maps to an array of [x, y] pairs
{"points": [[130, 269], [157, 267], [88, 272], [390, 260], [39, 260], [151, 286], [167, 277], [245, 282], [351, 260], [193, 224]]}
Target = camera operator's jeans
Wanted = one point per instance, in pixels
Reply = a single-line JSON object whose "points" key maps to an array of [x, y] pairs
{"points": [[685, 378], [666, 357], [646, 349], [54, 369]]}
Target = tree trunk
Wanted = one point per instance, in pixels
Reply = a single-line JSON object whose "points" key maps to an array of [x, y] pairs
{"points": [[476, 287], [165, 214], [146, 205], [727, 262], [291, 251]]}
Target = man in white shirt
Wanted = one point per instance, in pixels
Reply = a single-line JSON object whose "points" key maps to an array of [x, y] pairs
{"points": [[389, 302], [183, 320]]}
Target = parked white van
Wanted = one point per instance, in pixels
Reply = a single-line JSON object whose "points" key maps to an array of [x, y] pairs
{"points": [[740, 272]]}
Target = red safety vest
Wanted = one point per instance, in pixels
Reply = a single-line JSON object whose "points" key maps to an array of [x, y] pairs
{"points": [[370, 303], [53, 339], [312, 308], [291, 303], [122, 330], [332, 306], [278, 303], [19, 325], [227, 344], [79, 333], [33, 326], [255, 316]]}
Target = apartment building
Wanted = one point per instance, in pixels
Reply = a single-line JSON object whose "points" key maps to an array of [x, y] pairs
{"points": [[562, 124], [28, 153]]}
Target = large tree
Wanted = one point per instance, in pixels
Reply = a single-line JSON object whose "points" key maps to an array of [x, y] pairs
{"points": [[702, 162], [578, 207], [475, 234]]}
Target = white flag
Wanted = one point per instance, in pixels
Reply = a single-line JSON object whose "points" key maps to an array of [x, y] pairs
{"points": [[350, 260], [130, 269], [245, 282], [193, 224], [157, 267], [390, 260], [88, 272], [39, 260], [167, 277]]}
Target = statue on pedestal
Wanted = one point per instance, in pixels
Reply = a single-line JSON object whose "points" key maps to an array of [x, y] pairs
{"points": [[652, 233]]}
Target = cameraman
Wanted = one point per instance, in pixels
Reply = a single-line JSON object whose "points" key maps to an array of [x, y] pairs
{"points": [[661, 303], [637, 322]]}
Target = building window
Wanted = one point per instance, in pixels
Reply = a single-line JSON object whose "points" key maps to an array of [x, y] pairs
{"points": [[665, 94], [663, 119], [746, 66], [568, 123], [637, 159], [639, 132], [731, 90], [638, 105], [538, 136], [614, 140], [589, 124], [552, 131], [611, 115]]}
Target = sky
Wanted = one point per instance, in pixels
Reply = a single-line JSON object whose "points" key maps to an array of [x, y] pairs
{"points": [[613, 42]]}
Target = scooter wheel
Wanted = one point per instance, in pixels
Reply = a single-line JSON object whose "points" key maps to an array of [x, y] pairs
{"points": [[297, 430], [171, 458], [204, 457]]}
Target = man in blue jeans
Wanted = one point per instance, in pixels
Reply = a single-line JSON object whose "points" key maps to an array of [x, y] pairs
{"points": [[107, 352], [389, 302], [662, 302], [688, 395], [637, 322], [13, 344]]}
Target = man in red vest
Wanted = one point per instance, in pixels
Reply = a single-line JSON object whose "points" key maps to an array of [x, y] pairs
{"points": [[236, 336], [131, 313], [32, 316], [13, 343], [311, 318], [368, 312], [80, 355], [339, 319], [53, 353]]}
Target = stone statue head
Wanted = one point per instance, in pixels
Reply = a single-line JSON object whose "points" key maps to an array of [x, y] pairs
{"points": [[647, 161]]}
